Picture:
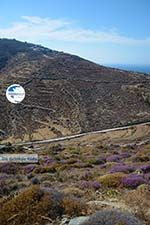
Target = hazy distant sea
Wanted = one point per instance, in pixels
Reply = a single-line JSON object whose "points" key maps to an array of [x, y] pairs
{"points": [[136, 68]]}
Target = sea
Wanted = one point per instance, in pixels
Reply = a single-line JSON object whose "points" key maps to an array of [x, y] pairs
{"points": [[135, 68]]}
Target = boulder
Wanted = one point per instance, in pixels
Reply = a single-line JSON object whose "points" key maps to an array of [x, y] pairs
{"points": [[78, 220]]}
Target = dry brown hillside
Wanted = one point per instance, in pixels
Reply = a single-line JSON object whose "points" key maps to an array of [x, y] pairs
{"points": [[66, 94]]}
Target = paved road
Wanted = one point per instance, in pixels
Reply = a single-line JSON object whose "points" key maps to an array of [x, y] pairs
{"points": [[77, 135]]}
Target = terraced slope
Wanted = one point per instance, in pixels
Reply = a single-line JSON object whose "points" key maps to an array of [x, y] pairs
{"points": [[66, 94]]}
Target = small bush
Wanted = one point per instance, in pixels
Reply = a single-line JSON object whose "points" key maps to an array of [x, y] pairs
{"points": [[95, 185], [111, 180], [9, 168], [145, 168], [86, 176], [112, 217], [57, 148], [70, 161], [3, 177], [4, 189], [47, 160], [141, 157], [84, 184], [147, 178], [37, 206], [46, 169], [96, 161], [122, 168], [74, 206], [133, 181], [102, 159], [29, 168], [73, 191], [35, 180], [113, 158], [125, 155]]}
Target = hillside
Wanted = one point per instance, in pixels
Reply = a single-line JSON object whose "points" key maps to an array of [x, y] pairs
{"points": [[79, 177], [66, 94]]}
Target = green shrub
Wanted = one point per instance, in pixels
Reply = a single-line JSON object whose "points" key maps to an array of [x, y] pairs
{"points": [[111, 180], [46, 169], [73, 191], [74, 206], [38, 205]]}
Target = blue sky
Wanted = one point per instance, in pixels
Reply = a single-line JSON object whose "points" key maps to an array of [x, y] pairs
{"points": [[104, 31]]}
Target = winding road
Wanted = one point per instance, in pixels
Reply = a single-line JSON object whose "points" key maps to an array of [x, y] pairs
{"points": [[52, 140]]}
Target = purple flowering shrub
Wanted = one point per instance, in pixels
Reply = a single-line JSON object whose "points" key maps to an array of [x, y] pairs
{"points": [[133, 181], [47, 160], [9, 168], [125, 155], [147, 178], [114, 158], [84, 184], [3, 177], [95, 184], [122, 168], [29, 168], [89, 184], [112, 217], [145, 168]]}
